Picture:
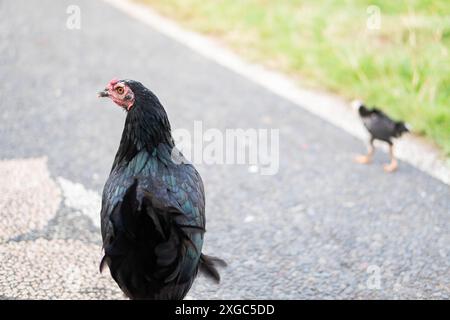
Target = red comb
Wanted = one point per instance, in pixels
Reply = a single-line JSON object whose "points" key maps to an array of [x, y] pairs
{"points": [[113, 81]]}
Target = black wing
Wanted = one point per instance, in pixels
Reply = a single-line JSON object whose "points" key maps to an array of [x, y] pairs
{"points": [[379, 125]]}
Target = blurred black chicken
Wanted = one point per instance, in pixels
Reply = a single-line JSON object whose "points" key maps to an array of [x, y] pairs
{"points": [[380, 127], [153, 208]]}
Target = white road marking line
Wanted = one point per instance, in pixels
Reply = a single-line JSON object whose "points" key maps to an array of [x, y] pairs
{"points": [[249, 218], [77, 197], [335, 110]]}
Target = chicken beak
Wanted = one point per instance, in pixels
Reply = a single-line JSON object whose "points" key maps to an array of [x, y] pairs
{"points": [[103, 94]]}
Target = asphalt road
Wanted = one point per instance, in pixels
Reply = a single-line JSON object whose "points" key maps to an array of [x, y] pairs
{"points": [[323, 227]]}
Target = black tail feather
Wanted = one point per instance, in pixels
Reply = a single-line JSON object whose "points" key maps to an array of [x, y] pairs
{"points": [[400, 128], [103, 262], [208, 266]]}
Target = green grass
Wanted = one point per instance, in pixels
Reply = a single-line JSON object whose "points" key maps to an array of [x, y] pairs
{"points": [[403, 67]]}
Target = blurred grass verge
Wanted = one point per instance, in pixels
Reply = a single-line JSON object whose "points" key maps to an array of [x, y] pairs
{"points": [[403, 66]]}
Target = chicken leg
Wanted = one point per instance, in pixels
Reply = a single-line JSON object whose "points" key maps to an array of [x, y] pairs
{"points": [[392, 166], [365, 159]]}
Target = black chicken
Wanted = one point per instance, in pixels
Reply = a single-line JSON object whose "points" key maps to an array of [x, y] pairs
{"points": [[380, 127], [153, 208]]}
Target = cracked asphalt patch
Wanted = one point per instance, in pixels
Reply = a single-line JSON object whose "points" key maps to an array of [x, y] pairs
{"points": [[314, 230], [28, 197], [48, 249], [54, 269]]}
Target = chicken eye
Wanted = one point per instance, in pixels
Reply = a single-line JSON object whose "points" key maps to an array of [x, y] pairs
{"points": [[120, 90]]}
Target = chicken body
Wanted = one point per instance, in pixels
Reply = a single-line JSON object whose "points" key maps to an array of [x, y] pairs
{"points": [[380, 126], [153, 208], [383, 128]]}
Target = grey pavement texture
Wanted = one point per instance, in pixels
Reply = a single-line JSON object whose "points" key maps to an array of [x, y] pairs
{"points": [[317, 229]]}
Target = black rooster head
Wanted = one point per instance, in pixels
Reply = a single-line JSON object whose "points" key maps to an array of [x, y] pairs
{"points": [[146, 125], [120, 92], [131, 95], [363, 111], [361, 107]]}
